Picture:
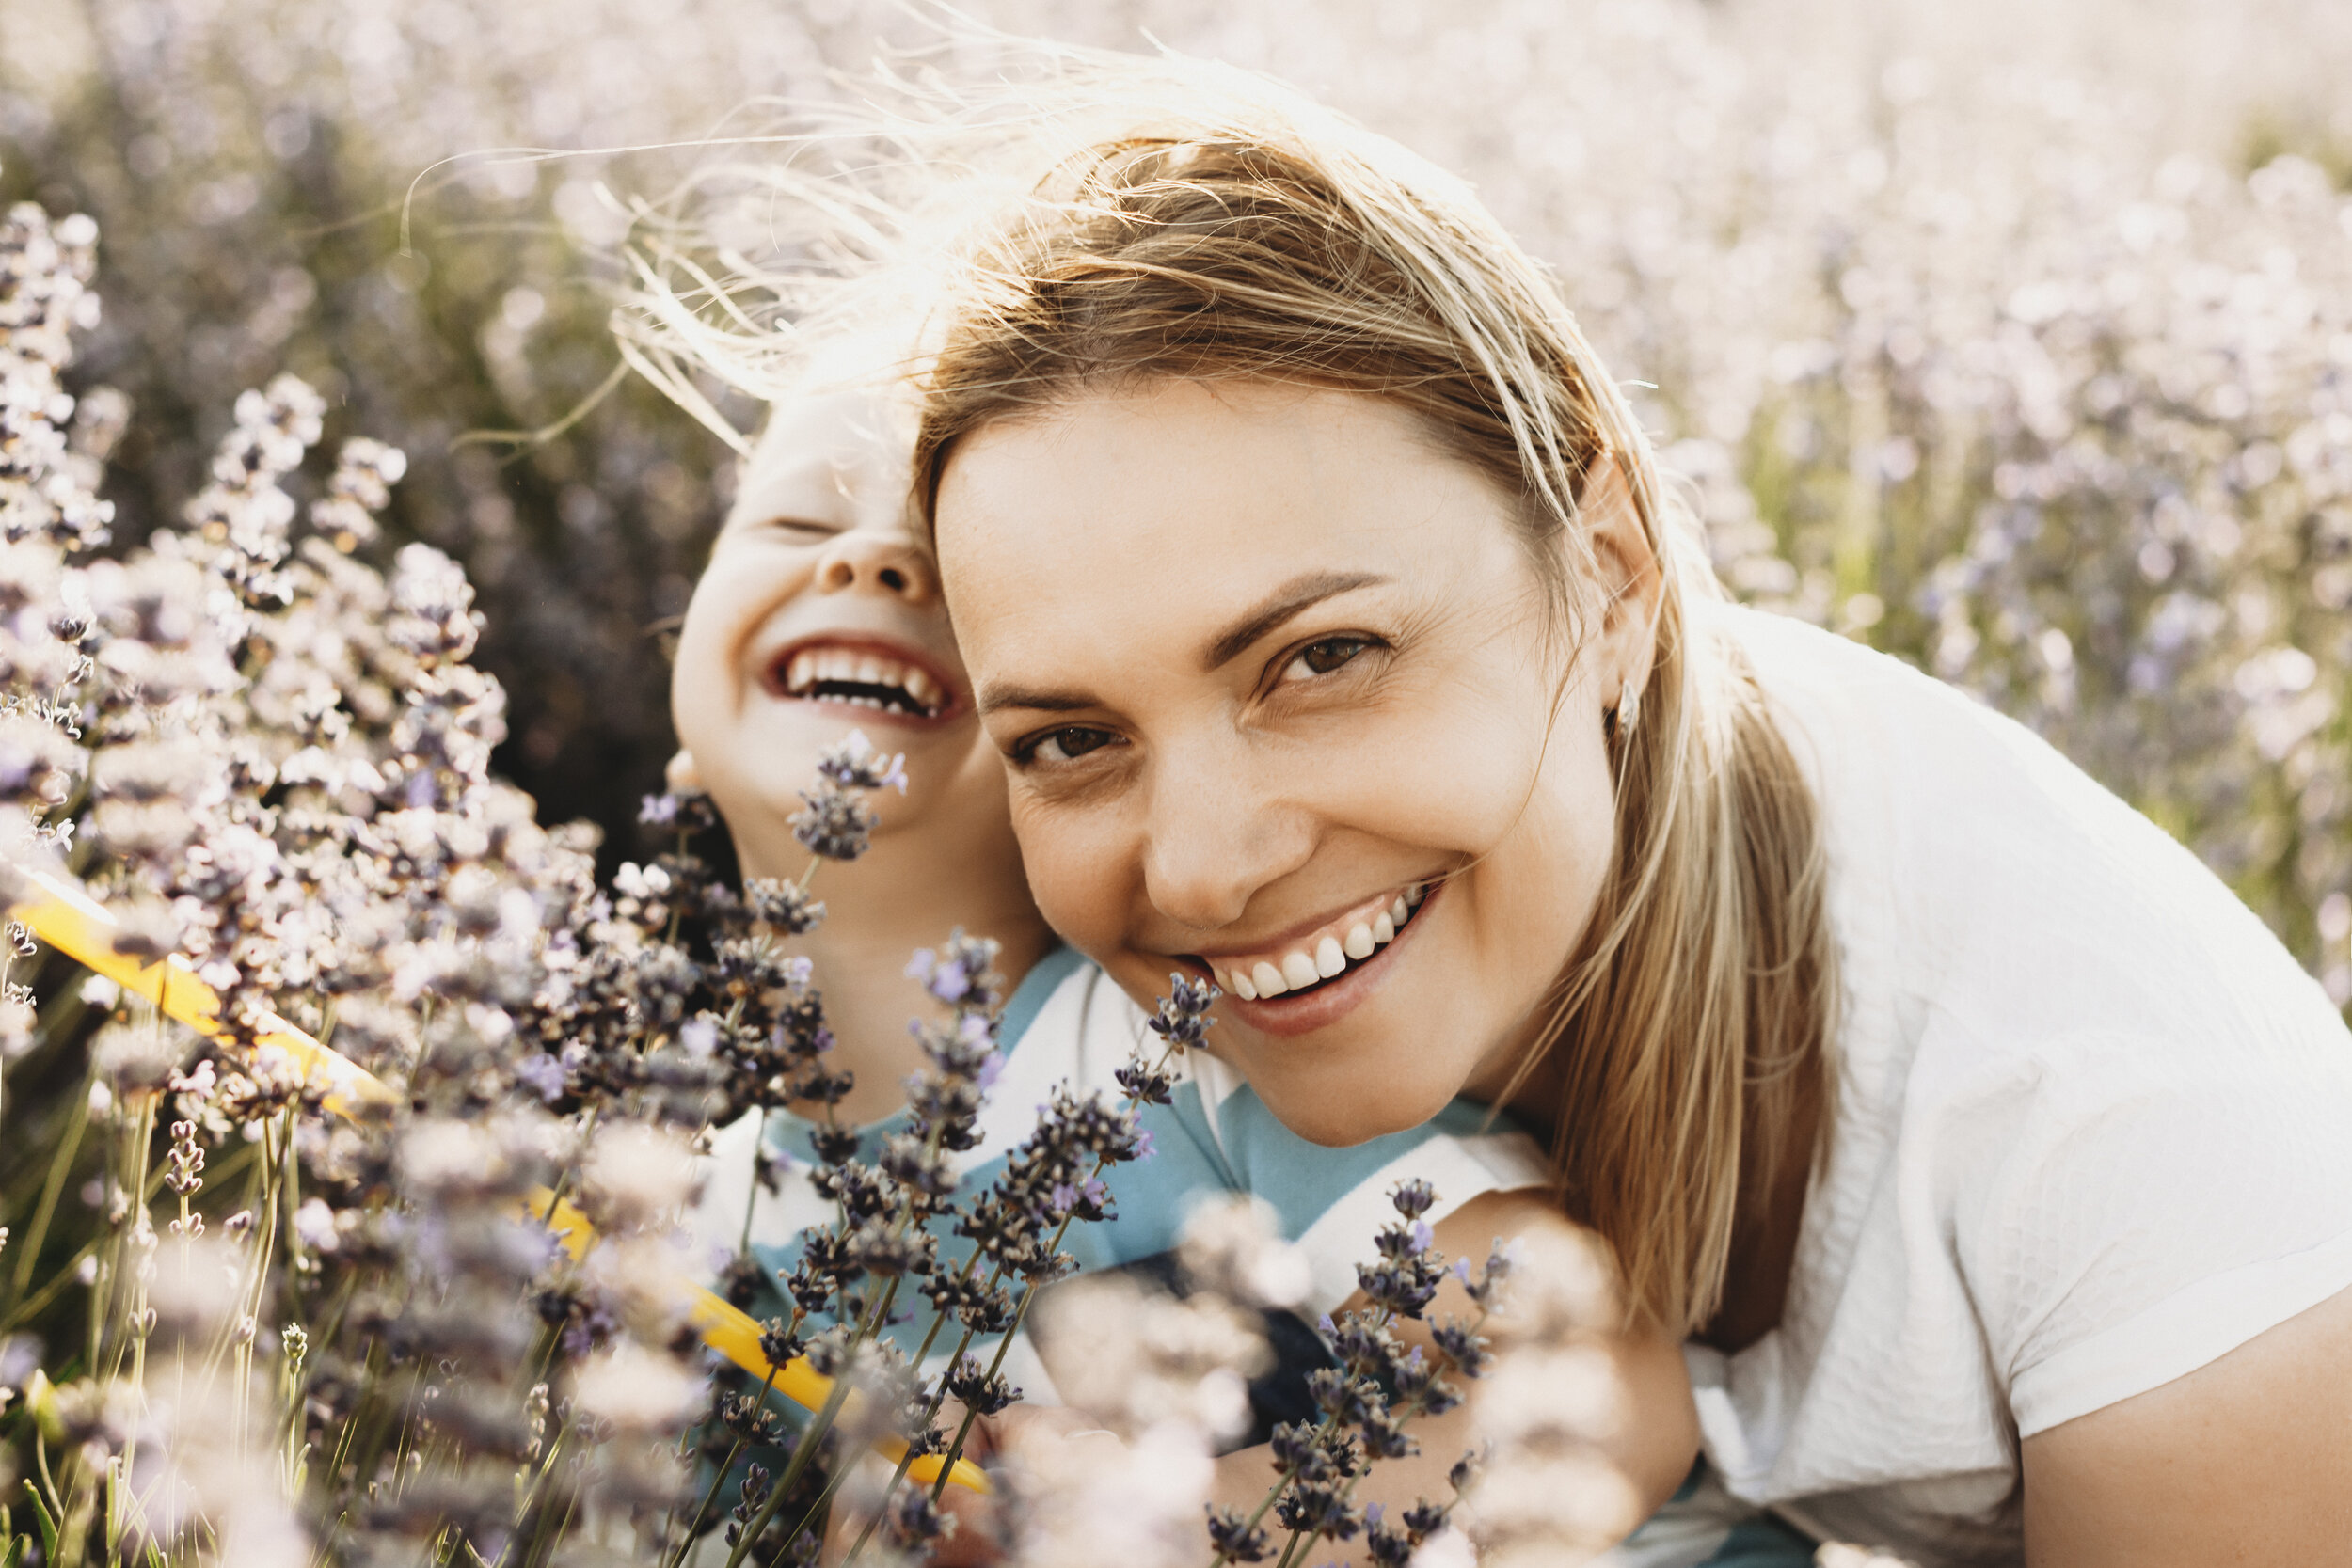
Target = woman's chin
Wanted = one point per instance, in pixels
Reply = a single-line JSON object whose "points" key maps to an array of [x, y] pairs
{"points": [[1341, 1110]]}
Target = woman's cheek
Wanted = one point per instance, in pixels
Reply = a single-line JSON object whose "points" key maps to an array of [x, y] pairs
{"points": [[1452, 777], [1075, 874]]}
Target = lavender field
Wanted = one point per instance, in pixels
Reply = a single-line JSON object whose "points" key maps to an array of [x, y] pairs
{"points": [[2014, 340], [2009, 337]]}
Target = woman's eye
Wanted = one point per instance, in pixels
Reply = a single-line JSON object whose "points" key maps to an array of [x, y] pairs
{"points": [[1325, 654], [1067, 744]]}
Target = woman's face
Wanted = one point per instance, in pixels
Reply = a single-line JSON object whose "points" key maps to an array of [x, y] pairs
{"points": [[1282, 701], [820, 613]]}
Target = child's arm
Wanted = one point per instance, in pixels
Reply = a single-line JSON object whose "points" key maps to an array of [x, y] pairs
{"points": [[1653, 1446]]}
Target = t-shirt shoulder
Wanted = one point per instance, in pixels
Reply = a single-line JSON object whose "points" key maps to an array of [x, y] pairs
{"points": [[2011, 897], [2090, 1126]]}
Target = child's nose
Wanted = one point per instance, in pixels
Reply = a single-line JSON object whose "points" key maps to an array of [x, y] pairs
{"points": [[878, 563]]}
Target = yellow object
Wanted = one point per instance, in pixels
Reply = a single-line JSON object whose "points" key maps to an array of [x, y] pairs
{"points": [[69, 920], [62, 915], [735, 1333]]}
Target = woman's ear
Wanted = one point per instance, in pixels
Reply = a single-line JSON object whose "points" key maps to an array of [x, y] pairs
{"points": [[1632, 579], [682, 776]]}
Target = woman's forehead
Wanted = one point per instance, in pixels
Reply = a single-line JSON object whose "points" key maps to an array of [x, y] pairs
{"points": [[1175, 508], [1200, 459]]}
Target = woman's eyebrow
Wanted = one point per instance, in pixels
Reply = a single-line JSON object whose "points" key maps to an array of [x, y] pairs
{"points": [[1298, 594], [991, 698]]}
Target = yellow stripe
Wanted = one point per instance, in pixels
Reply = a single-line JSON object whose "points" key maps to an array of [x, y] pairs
{"points": [[62, 915], [735, 1333]]}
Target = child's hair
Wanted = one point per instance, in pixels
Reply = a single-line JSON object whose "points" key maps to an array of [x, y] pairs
{"points": [[1239, 232]]}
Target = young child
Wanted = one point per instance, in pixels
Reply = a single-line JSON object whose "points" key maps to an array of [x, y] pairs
{"points": [[820, 613]]}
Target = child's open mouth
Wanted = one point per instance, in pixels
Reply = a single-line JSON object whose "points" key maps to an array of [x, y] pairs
{"points": [[860, 676], [1321, 956]]}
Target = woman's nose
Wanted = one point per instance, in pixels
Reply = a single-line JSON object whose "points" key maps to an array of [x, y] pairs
{"points": [[878, 562], [1213, 840]]}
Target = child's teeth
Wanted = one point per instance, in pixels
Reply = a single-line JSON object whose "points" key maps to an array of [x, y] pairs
{"points": [[1268, 980], [1329, 960], [1383, 929], [922, 688], [1239, 985], [1298, 971], [1359, 943]]}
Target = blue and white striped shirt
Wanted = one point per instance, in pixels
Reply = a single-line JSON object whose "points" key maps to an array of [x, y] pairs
{"points": [[1066, 1024]]}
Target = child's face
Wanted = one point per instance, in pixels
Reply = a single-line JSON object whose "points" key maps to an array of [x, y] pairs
{"points": [[820, 613]]}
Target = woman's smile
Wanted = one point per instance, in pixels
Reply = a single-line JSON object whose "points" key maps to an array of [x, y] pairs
{"points": [[1313, 979]]}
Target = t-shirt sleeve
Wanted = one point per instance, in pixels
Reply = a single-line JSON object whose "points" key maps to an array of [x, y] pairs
{"points": [[2148, 1210], [1332, 1202]]}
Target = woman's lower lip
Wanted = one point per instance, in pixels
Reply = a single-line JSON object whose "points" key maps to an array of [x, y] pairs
{"points": [[1304, 1012]]}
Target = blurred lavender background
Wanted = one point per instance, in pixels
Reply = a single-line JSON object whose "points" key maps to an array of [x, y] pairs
{"points": [[2014, 338]]}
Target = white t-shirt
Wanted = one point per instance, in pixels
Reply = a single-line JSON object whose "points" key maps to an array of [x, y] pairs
{"points": [[2093, 1126]]}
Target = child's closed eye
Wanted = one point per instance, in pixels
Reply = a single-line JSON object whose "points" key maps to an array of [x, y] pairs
{"points": [[807, 530]]}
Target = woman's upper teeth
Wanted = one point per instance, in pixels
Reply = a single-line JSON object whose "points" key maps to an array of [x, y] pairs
{"points": [[844, 670], [1320, 956]]}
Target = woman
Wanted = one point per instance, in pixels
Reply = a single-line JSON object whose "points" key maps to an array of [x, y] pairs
{"points": [[819, 614], [1308, 567]]}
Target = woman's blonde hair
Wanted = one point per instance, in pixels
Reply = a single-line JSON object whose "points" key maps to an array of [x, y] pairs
{"points": [[1240, 232]]}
